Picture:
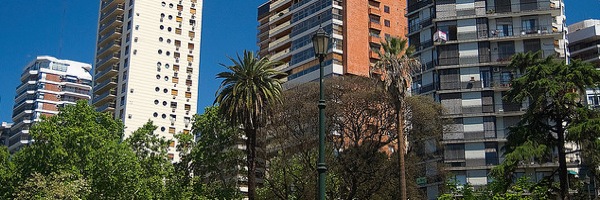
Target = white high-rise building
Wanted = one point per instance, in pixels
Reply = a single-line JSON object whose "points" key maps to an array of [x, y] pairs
{"points": [[47, 83], [147, 64]]}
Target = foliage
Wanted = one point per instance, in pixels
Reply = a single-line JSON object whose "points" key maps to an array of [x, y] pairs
{"points": [[7, 173], [553, 91], [396, 65], [151, 152], [522, 189], [247, 92], [359, 160], [215, 159], [79, 154], [61, 185]]}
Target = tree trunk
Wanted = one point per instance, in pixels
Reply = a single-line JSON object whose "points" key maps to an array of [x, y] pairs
{"points": [[401, 147], [251, 161], [562, 163]]}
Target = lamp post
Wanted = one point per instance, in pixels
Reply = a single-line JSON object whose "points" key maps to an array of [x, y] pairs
{"points": [[321, 44]]}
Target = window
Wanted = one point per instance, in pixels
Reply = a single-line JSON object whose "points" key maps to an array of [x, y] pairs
{"points": [[178, 31], [170, 17], [180, 7], [193, 11], [162, 129], [165, 90], [169, 29], [173, 104], [166, 78], [174, 92], [162, 27], [164, 104], [187, 107], [386, 9], [185, 131], [124, 75], [121, 113], [123, 88], [190, 70], [190, 58], [164, 116], [172, 130], [129, 25], [529, 26], [386, 23], [191, 34], [175, 67], [504, 28], [156, 101], [188, 82], [178, 19], [155, 114], [188, 95], [160, 39], [157, 76], [172, 144], [175, 80], [190, 46]]}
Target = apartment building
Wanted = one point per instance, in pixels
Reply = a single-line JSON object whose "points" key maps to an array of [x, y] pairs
{"points": [[5, 133], [47, 83], [584, 44], [464, 47], [357, 28], [147, 64]]}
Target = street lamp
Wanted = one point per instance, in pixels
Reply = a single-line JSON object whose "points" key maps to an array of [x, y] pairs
{"points": [[321, 44]]}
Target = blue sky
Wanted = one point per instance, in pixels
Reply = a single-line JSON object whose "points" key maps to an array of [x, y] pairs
{"points": [[67, 29]]}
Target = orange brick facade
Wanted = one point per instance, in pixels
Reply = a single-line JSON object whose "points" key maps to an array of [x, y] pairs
{"points": [[363, 17]]}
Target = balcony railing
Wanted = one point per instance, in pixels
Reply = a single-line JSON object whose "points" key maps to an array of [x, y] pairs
{"points": [[107, 58], [97, 99], [107, 107], [111, 11], [491, 10], [418, 5]]}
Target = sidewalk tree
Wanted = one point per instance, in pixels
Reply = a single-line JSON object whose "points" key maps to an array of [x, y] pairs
{"points": [[248, 91]]}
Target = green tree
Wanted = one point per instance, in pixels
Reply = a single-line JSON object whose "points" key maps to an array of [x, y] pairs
{"points": [[7, 173], [245, 97], [397, 66], [81, 141], [215, 158], [151, 152], [553, 91], [56, 185]]}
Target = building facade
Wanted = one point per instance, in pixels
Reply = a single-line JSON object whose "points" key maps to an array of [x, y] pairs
{"points": [[584, 44], [464, 47], [5, 133], [147, 64], [357, 28], [47, 83]]}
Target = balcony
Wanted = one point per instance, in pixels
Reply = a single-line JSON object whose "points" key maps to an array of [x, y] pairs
{"points": [[280, 15], [375, 25], [373, 54], [279, 54], [416, 6], [493, 12], [108, 60], [108, 96], [108, 84], [108, 72], [110, 3], [113, 46], [277, 4], [114, 33], [279, 42], [374, 11], [111, 12], [113, 22], [109, 107], [279, 27], [375, 39]]}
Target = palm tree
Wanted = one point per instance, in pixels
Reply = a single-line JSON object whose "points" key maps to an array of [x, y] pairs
{"points": [[396, 66], [245, 97]]}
